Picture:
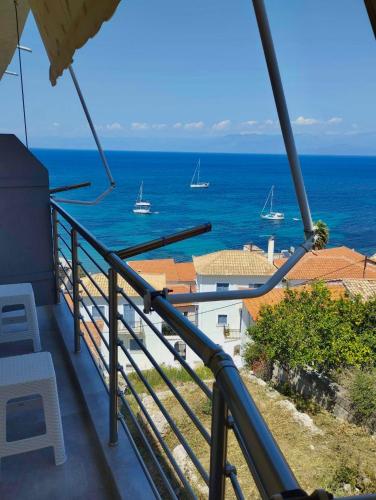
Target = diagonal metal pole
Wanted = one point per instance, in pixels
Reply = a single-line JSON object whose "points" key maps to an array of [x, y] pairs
{"points": [[283, 114], [99, 146], [296, 173]]}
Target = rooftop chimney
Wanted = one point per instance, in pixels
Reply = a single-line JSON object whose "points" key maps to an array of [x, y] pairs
{"points": [[271, 249]]}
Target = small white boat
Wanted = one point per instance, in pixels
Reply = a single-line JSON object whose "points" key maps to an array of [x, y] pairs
{"points": [[195, 182], [141, 206], [271, 215]]}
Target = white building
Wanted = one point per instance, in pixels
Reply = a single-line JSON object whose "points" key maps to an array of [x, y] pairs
{"points": [[228, 270], [141, 328]]}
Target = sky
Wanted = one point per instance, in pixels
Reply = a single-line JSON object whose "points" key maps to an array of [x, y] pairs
{"points": [[191, 76]]}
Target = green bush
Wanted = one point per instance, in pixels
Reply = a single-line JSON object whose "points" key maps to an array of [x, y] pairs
{"points": [[308, 329], [363, 397]]}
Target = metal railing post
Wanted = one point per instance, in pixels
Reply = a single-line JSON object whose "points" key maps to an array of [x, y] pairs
{"points": [[113, 355], [76, 292], [55, 241], [218, 450]]}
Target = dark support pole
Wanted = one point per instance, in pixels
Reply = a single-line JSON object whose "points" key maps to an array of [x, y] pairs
{"points": [[113, 353], [56, 255], [76, 292], [283, 114], [218, 450]]}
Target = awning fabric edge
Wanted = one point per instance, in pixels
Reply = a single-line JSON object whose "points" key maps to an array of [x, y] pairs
{"points": [[66, 25]]}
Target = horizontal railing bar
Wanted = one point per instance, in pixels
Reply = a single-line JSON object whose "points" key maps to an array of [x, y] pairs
{"points": [[105, 273], [64, 257], [236, 486], [126, 253], [173, 351], [95, 345], [95, 324], [136, 449], [70, 187], [90, 238], [145, 442], [68, 231], [271, 470], [64, 297], [273, 281], [158, 435], [66, 275], [174, 391], [88, 275], [167, 416], [96, 366], [269, 467], [105, 320], [65, 243]]}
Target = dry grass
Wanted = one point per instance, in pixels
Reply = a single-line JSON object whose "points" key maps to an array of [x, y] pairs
{"points": [[343, 454]]}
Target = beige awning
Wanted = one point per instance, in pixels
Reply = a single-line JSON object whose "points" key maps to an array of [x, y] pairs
{"points": [[66, 25], [8, 29]]}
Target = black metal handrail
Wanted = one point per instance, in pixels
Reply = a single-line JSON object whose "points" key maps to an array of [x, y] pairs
{"points": [[230, 396]]}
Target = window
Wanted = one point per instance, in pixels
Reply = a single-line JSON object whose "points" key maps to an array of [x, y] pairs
{"points": [[222, 320], [129, 315], [134, 346], [181, 349], [95, 313], [222, 287], [185, 313]]}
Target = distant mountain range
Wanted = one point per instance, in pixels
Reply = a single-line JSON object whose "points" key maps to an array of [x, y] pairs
{"points": [[361, 144]]}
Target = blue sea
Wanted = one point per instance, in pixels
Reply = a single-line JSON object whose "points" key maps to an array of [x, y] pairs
{"points": [[341, 191]]}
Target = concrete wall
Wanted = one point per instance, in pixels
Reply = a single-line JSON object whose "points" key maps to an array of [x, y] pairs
{"points": [[25, 229]]}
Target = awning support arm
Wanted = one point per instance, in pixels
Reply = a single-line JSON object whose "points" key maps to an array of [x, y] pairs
{"points": [[99, 146], [296, 173], [183, 298], [283, 114]]}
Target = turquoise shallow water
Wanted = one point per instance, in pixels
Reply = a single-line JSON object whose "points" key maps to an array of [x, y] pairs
{"points": [[341, 191]]}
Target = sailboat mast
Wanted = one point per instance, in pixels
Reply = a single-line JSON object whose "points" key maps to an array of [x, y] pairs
{"points": [[141, 190], [271, 199], [198, 171]]}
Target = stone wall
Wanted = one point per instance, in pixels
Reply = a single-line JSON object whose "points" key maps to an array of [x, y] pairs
{"points": [[316, 387]]}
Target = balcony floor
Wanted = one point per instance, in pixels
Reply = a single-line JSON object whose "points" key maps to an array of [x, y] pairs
{"points": [[33, 475]]}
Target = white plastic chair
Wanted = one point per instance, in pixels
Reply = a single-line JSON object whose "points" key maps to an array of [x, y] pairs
{"points": [[20, 324], [29, 375]]}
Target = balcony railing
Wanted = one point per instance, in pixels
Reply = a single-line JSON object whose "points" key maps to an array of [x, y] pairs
{"points": [[231, 333], [231, 406]]}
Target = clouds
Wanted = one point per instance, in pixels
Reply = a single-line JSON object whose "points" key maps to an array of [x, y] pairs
{"points": [[335, 120], [301, 120], [139, 126], [114, 126], [222, 125], [194, 125]]}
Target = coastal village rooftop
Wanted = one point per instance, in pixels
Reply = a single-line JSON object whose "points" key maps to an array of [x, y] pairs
{"points": [[233, 263], [331, 264]]}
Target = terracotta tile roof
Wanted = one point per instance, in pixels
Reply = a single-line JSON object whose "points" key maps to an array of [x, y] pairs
{"points": [[186, 271], [174, 271], [233, 263], [365, 288], [156, 266], [331, 264], [158, 281], [183, 288], [276, 295]]}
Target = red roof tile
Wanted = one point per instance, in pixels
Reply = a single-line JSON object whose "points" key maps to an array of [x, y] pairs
{"points": [[331, 264]]}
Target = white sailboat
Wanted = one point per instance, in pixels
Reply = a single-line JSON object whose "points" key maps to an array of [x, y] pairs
{"points": [[195, 182], [141, 206], [271, 215]]}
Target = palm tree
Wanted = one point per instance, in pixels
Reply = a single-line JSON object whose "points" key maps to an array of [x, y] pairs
{"points": [[321, 235]]}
